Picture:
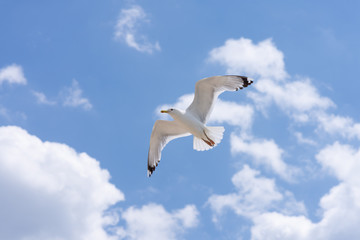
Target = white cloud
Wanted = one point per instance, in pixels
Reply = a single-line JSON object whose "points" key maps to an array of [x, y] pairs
{"points": [[301, 139], [276, 226], [302, 102], [126, 29], [233, 113], [13, 74], [277, 215], [49, 191], [340, 206], [72, 97], [264, 152], [297, 98], [265, 62], [153, 222], [69, 96], [242, 56], [42, 99], [341, 203], [343, 161], [338, 125], [254, 195]]}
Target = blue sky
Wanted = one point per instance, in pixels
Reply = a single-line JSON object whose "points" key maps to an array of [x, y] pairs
{"points": [[82, 83]]}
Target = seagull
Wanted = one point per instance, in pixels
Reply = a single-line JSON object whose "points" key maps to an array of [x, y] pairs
{"points": [[193, 120]]}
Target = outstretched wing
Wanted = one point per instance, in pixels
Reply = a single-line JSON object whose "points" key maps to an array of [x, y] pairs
{"points": [[208, 89], [162, 133]]}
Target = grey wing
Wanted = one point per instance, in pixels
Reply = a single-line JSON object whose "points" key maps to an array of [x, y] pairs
{"points": [[208, 89], [162, 133]]}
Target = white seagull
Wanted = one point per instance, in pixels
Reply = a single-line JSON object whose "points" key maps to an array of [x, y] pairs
{"points": [[193, 120]]}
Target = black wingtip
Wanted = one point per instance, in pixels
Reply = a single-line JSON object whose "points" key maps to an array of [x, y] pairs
{"points": [[151, 169], [247, 81]]}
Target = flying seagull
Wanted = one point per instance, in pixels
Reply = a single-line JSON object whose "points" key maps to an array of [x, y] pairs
{"points": [[193, 120]]}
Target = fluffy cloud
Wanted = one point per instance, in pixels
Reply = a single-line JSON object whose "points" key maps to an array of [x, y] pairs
{"points": [[276, 214], [12, 74], [341, 202], [49, 191], [342, 161], [338, 125], [254, 195], [152, 221], [127, 26], [264, 152], [297, 98], [72, 97], [255, 60], [276, 226], [233, 114]]}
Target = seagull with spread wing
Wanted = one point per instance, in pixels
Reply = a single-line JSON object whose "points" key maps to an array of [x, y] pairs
{"points": [[193, 120]]}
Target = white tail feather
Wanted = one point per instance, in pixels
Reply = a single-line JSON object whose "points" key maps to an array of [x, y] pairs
{"points": [[200, 145], [214, 133]]}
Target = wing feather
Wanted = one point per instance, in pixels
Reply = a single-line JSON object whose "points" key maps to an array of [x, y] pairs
{"points": [[163, 132], [208, 89]]}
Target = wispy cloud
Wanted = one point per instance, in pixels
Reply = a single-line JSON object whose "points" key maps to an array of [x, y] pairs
{"points": [[12, 74], [4, 113], [9, 116], [126, 29], [72, 97], [301, 139], [42, 99]]}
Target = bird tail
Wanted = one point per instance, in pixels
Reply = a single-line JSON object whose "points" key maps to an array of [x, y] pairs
{"points": [[215, 134]]}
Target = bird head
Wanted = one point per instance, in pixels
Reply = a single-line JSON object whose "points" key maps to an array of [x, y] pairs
{"points": [[167, 111]]}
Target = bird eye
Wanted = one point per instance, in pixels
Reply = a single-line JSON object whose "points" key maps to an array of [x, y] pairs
{"points": [[171, 109]]}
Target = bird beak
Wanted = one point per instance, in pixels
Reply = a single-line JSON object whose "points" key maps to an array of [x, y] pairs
{"points": [[164, 111]]}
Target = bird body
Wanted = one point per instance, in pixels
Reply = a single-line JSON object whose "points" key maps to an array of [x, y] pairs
{"points": [[193, 120], [188, 122]]}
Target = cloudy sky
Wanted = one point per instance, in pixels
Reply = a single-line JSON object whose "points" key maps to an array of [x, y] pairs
{"points": [[82, 83]]}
